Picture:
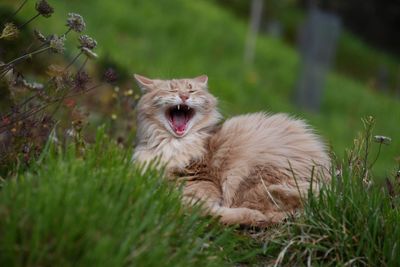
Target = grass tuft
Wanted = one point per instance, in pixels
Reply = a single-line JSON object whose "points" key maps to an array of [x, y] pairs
{"points": [[353, 221]]}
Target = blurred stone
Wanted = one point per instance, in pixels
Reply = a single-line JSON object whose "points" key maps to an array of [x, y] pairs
{"points": [[383, 79], [274, 29]]}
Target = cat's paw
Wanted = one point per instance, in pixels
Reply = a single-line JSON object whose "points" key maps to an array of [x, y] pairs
{"points": [[260, 220], [256, 218], [242, 216]]}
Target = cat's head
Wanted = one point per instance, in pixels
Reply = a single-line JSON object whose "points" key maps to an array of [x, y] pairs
{"points": [[180, 106]]}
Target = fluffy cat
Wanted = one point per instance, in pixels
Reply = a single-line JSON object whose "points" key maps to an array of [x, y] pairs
{"points": [[252, 169]]}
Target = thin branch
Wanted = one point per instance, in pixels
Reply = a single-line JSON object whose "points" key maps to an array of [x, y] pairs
{"points": [[34, 17], [69, 29], [59, 104], [26, 55], [83, 65], [269, 195], [66, 96], [73, 61], [54, 101], [377, 156], [86, 91], [367, 143], [26, 101], [6, 127], [15, 13], [6, 67]]}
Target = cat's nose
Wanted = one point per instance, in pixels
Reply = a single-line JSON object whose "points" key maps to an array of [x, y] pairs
{"points": [[184, 97]]}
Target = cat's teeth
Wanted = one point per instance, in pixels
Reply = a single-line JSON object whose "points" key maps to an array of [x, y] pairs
{"points": [[179, 106]]}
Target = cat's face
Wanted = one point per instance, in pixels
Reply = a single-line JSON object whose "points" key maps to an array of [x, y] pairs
{"points": [[180, 106]]}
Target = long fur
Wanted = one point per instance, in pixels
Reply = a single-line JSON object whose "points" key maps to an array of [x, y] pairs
{"points": [[253, 169]]}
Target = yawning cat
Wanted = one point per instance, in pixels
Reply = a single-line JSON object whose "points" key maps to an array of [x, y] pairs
{"points": [[252, 169]]}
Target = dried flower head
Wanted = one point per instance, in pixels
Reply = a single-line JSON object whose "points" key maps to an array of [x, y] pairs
{"points": [[76, 22], [87, 41], [81, 80], [59, 76], [10, 32], [89, 53], [55, 71], [110, 75], [39, 36], [382, 139], [44, 8], [57, 44], [32, 85]]}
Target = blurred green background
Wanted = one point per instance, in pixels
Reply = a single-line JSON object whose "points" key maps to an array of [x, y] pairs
{"points": [[182, 38]]}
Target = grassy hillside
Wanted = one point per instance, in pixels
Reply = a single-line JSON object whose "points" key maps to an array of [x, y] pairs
{"points": [[184, 38], [100, 210]]}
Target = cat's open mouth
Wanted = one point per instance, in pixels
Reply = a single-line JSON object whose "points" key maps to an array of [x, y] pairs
{"points": [[179, 117]]}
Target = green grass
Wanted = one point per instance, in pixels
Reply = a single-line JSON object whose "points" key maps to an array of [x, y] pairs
{"points": [[357, 59], [346, 224], [353, 221], [101, 211]]}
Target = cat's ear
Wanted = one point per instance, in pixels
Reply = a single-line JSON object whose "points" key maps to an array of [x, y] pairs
{"points": [[144, 83], [202, 80]]}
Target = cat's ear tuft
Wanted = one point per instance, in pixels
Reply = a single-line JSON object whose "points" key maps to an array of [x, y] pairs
{"points": [[203, 80], [145, 84]]}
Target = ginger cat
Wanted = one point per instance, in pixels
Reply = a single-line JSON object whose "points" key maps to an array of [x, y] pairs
{"points": [[252, 169]]}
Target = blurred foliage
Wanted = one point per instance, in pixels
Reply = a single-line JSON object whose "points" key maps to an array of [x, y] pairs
{"points": [[375, 21], [41, 88], [354, 57]]}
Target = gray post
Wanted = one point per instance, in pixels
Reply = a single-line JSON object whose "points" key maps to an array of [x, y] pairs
{"points": [[383, 79], [254, 27], [397, 88], [317, 44]]}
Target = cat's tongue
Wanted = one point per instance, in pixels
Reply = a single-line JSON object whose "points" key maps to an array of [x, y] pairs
{"points": [[179, 121]]}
